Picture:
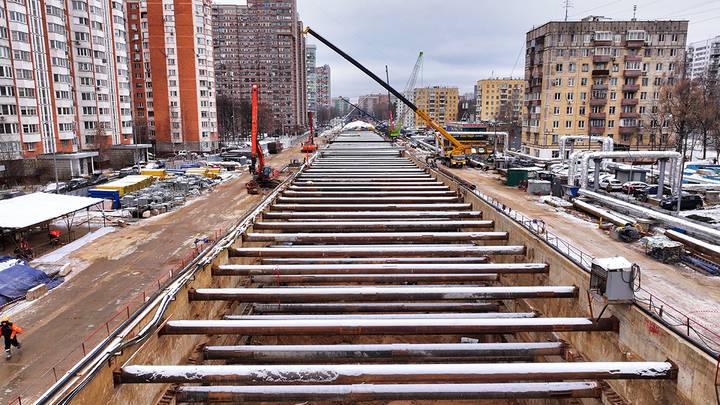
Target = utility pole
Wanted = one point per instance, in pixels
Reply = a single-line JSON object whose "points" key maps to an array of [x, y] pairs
{"points": [[567, 5]]}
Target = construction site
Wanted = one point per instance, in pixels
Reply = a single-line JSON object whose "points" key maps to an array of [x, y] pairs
{"points": [[367, 264]]}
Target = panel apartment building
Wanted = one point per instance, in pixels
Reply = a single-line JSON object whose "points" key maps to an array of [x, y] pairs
{"points": [[703, 58], [322, 77], [598, 77], [173, 81], [441, 103], [262, 43], [310, 77], [499, 98], [64, 83]]}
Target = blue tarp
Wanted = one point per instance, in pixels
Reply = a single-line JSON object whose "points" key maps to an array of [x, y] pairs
{"points": [[17, 277]]}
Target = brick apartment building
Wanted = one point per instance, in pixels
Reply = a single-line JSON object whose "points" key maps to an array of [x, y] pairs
{"points": [[173, 83], [499, 98], [441, 103], [322, 78], [598, 77]]}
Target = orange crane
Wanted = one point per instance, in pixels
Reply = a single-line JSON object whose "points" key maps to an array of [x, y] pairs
{"points": [[263, 176]]}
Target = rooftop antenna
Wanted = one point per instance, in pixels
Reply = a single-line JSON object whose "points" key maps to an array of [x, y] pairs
{"points": [[567, 5], [634, 12]]}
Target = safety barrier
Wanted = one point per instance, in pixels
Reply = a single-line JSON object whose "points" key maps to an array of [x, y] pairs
{"points": [[101, 332]]}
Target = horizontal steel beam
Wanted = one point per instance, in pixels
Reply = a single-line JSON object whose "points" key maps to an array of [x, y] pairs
{"points": [[372, 214], [368, 200], [384, 268], [379, 293], [331, 317], [376, 193], [368, 188], [388, 392], [373, 307], [367, 169], [367, 327], [395, 278], [374, 237], [344, 179], [372, 352], [376, 251], [373, 207], [374, 260], [395, 373], [370, 226]]}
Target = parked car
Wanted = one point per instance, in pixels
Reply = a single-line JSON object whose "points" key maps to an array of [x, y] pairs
{"points": [[77, 183], [127, 171], [610, 184], [630, 186], [59, 187], [650, 190], [687, 202], [98, 178]]}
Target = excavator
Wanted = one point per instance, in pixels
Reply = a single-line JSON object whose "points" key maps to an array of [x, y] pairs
{"points": [[309, 146], [454, 155], [263, 176]]}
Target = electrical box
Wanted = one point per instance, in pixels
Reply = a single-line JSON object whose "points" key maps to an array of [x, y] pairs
{"points": [[612, 279]]}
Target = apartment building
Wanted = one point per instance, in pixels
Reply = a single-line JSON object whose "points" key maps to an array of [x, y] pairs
{"points": [[172, 71], [322, 76], [262, 43], [64, 83], [340, 107], [703, 58], [599, 77], [441, 103], [311, 78], [499, 99]]}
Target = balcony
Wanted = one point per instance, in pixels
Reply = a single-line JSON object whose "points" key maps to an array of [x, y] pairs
{"points": [[628, 130], [629, 101], [634, 43], [630, 87], [599, 87], [598, 101], [632, 73], [597, 130], [601, 72], [601, 58], [629, 115], [597, 116], [633, 58]]}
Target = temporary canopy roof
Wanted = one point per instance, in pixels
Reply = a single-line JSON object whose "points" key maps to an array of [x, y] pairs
{"points": [[36, 208], [358, 125]]}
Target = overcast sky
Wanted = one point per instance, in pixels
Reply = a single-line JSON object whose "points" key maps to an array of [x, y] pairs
{"points": [[463, 40]]}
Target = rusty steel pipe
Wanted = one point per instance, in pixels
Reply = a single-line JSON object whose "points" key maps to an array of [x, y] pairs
{"points": [[388, 392], [384, 268], [372, 278], [374, 307], [379, 293], [330, 317], [367, 200], [287, 354], [372, 207], [376, 251], [374, 237], [395, 373], [377, 193], [372, 215]]}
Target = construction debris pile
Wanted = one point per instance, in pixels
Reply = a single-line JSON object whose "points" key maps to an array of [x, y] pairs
{"points": [[163, 196]]}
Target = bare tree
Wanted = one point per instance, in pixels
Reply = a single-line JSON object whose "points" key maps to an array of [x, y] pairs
{"points": [[707, 111], [679, 101]]}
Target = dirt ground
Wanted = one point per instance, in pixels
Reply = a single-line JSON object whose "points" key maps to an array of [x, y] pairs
{"points": [[687, 290], [107, 273]]}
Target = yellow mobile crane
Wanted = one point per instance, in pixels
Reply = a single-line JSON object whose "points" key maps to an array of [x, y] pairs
{"points": [[455, 155]]}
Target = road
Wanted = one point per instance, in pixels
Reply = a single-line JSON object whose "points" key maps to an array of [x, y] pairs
{"points": [[687, 290], [106, 274]]}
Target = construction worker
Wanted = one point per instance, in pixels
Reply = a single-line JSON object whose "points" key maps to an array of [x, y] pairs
{"points": [[9, 332]]}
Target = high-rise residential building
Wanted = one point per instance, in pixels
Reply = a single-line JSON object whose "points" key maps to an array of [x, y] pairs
{"points": [[340, 107], [322, 75], [262, 43], [173, 73], [311, 77], [601, 78], [703, 58], [499, 99], [63, 80], [441, 103]]}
